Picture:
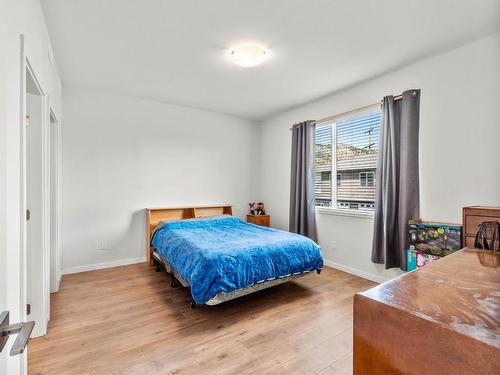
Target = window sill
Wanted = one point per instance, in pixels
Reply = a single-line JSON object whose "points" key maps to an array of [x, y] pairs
{"points": [[344, 212]]}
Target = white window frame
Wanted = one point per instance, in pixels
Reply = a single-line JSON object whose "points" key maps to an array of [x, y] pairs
{"points": [[321, 175], [332, 121], [372, 173]]}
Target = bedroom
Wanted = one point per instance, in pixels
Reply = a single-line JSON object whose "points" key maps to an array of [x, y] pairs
{"points": [[145, 105]]}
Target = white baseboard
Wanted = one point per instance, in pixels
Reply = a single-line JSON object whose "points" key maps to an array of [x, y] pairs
{"points": [[357, 272], [58, 283], [124, 262], [100, 266]]}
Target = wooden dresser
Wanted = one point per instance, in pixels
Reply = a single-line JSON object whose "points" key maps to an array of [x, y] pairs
{"points": [[262, 220], [472, 217], [443, 318]]}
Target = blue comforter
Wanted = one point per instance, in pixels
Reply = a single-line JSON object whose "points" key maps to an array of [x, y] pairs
{"points": [[224, 254]]}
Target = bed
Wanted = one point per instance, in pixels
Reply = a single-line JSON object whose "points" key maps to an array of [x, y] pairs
{"points": [[220, 257]]}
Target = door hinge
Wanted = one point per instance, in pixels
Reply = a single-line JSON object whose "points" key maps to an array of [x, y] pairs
{"points": [[27, 120], [28, 308], [28, 215]]}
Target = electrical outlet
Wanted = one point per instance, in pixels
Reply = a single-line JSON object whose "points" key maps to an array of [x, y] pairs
{"points": [[103, 245]]}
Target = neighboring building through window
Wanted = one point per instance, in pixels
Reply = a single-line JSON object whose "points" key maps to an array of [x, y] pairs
{"points": [[347, 150], [367, 179]]}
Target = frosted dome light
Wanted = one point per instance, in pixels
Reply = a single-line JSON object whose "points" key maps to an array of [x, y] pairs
{"points": [[248, 55]]}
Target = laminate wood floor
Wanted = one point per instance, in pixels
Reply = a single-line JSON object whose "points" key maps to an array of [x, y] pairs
{"points": [[128, 320]]}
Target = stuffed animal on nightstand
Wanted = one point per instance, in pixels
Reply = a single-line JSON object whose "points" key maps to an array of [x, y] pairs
{"points": [[259, 209]]}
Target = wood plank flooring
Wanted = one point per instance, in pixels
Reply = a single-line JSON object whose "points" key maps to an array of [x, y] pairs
{"points": [[128, 320]]}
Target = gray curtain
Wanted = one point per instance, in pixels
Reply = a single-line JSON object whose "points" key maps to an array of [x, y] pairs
{"points": [[302, 206], [397, 184]]}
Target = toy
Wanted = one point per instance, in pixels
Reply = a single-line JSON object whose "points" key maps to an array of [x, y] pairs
{"points": [[416, 259], [424, 259], [433, 238], [257, 208], [411, 260]]}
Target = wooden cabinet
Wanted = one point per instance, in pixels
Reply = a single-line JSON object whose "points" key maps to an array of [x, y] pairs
{"points": [[262, 220], [440, 319], [472, 217]]}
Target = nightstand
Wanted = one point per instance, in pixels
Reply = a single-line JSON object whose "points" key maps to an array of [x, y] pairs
{"points": [[262, 220]]}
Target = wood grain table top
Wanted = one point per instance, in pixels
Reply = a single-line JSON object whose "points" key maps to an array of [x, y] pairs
{"points": [[460, 292]]}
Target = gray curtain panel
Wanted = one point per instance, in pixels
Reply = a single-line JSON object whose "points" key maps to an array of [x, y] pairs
{"points": [[397, 183], [302, 206]]}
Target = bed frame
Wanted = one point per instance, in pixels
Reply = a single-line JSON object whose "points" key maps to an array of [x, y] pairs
{"points": [[156, 215]]}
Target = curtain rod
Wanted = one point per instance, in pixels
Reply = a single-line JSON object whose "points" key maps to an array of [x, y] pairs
{"points": [[330, 118]]}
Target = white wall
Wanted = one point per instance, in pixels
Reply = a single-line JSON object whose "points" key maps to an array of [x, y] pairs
{"points": [[122, 154], [17, 17], [459, 138]]}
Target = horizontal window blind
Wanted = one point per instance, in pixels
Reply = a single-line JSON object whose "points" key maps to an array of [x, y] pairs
{"points": [[346, 161], [323, 166]]}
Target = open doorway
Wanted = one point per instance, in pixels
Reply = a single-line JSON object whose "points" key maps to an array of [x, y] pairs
{"points": [[37, 262]]}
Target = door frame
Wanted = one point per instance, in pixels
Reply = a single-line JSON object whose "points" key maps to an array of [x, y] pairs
{"points": [[57, 189], [42, 317]]}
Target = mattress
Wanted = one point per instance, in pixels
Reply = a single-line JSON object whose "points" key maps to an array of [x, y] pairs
{"points": [[224, 254]]}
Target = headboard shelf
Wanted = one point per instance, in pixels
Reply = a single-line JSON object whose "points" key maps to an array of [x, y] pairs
{"points": [[156, 215]]}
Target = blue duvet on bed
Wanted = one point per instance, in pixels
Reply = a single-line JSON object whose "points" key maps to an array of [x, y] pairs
{"points": [[224, 254]]}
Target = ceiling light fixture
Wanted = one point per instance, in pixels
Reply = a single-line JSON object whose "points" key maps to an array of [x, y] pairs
{"points": [[248, 55]]}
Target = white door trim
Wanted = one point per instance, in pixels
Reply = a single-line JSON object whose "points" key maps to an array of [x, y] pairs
{"points": [[22, 225], [57, 190]]}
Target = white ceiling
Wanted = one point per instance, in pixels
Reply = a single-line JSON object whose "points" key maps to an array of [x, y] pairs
{"points": [[175, 50]]}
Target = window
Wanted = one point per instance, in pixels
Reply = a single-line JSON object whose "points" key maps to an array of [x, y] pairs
{"points": [[367, 179], [346, 161]]}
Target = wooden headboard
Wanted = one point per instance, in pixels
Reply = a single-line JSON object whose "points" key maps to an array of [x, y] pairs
{"points": [[155, 215]]}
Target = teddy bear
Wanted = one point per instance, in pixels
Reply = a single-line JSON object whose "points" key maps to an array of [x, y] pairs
{"points": [[257, 208]]}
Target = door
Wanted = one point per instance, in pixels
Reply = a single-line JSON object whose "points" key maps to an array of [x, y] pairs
{"points": [[37, 262], [12, 218], [24, 184]]}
